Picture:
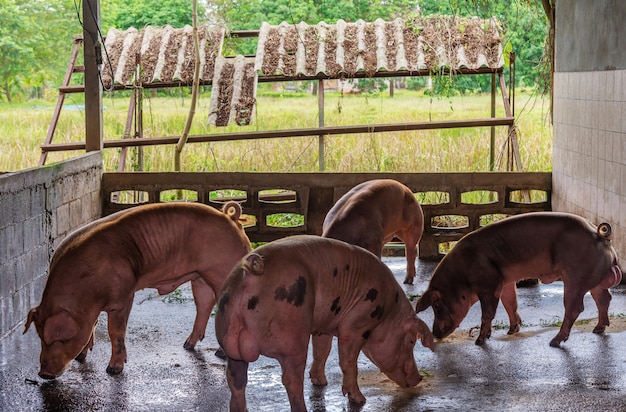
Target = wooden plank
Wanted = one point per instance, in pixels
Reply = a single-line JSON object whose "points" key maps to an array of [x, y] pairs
{"points": [[280, 78], [315, 131]]}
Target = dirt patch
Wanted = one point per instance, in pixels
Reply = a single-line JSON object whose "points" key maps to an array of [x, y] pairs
{"points": [[150, 57], [310, 49], [113, 51], [189, 57], [330, 52], [350, 47], [271, 54], [290, 46], [391, 45], [411, 44], [171, 55], [245, 106], [225, 94], [369, 52], [212, 49]]}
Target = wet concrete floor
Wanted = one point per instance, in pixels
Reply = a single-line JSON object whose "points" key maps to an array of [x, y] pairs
{"points": [[510, 373]]}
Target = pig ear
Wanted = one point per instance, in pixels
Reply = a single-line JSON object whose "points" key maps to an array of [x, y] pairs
{"points": [[32, 317], [424, 302], [58, 327], [422, 332]]}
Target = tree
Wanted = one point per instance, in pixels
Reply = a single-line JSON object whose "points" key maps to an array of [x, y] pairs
{"points": [[123, 14], [33, 34]]}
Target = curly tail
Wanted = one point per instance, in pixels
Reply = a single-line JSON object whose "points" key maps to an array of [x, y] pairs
{"points": [[605, 231], [233, 210], [254, 263]]}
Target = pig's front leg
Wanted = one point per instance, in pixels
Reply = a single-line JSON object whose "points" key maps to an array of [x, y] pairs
{"points": [[293, 366], [117, 322], [322, 345], [348, 354], [488, 304], [509, 301], [602, 297], [204, 298], [237, 377], [89, 346], [574, 305]]}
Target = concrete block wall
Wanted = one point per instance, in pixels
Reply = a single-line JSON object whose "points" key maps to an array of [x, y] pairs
{"points": [[589, 152], [38, 208]]}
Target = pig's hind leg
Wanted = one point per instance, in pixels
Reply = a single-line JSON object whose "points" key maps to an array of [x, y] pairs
{"points": [[293, 366], [573, 301], [349, 347], [509, 301], [322, 345], [602, 297], [410, 238], [204, 299], [237, 377]]}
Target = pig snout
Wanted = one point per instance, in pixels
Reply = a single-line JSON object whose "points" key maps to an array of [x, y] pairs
{"points": [[408, 377], [441, 329], [46, 375]]}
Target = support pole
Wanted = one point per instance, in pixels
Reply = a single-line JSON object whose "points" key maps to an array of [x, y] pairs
{"points": [[320, 109], [93, 87], [492, 150]]}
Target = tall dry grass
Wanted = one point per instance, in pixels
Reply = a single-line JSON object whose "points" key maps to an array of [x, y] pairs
{"points": [[23, 128]]}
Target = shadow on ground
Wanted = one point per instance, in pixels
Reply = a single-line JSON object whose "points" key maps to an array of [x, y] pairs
{"points": [[513, 373]]}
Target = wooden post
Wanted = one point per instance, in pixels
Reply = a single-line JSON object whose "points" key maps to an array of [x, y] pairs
{"points": [[320, 109], [492, 150], [93, 88]]}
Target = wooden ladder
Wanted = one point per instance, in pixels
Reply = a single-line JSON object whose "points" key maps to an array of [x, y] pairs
{"points": [[71, 69]]}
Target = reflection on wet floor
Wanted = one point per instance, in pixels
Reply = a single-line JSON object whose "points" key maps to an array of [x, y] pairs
{"points": [[512, 373]]}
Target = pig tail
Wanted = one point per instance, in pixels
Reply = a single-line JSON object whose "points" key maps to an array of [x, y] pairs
{"points": [[605, 231], [232, 209]]}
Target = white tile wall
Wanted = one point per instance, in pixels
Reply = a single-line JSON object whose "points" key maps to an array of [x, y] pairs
{"points": [[589, 151]]}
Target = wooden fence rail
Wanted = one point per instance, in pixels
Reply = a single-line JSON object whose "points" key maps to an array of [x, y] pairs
{"points": [[311, 195]]}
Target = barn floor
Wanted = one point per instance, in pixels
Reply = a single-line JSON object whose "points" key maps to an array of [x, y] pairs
{"points": [[513, 373]]}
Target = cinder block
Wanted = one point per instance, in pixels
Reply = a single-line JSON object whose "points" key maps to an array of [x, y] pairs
{"points": [[34, 233], [75, 214], [4, 316], [62, 217], [8, 281], [15, 239]]}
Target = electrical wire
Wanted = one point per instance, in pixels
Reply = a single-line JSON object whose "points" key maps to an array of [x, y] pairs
{"points": [[99, 45]]}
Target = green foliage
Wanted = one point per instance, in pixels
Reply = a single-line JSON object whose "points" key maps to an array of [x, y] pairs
{"points": [[32, 37], [140, 13]]}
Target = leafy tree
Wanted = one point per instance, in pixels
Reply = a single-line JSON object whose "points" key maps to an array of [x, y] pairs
{"points": [[33, 36], [123, 14]]}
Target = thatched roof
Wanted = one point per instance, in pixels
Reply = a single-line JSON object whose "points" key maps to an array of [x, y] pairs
{"points": [[164, 55]]}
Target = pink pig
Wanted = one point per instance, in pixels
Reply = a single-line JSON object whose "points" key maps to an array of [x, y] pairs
{"points": [[485, 264], [372, 213], [100, 266], [287, 290]]}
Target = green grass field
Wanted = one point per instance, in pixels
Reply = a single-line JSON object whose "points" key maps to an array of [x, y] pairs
{"points": [[23, 128]]}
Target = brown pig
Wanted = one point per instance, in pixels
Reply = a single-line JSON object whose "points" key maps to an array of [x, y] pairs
{"points": [[485, 264], [372, 213], [100, 266], [285, 291]]}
